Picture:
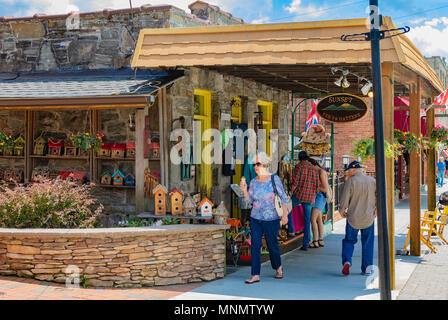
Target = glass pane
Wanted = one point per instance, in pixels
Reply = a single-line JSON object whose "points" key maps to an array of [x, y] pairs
{"points": [[198, 105]]}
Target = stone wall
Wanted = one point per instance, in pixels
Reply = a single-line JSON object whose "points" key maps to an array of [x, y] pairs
{"points": [[180, 99], [123, 257], [94, 40]]}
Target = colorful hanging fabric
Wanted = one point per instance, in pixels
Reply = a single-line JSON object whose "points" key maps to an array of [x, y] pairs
{"points": [[313, 117]]}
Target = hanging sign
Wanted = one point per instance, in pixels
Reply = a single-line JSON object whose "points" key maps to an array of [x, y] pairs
{"points": [[342, 107]]}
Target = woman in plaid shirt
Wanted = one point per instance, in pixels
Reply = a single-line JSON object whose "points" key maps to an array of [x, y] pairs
{"points": [[305, 186]]}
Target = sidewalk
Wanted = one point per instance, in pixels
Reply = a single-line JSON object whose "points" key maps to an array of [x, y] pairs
{"points": [[311, 275], [429, 281]]}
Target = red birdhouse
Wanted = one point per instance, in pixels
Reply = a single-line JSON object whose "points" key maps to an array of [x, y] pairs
{"points": [[117, 150], [55, 147]]}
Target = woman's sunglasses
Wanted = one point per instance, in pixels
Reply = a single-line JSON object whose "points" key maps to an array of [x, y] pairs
{"points": [[258, 164]]}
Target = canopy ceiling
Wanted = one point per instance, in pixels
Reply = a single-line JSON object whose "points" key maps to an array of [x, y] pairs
{"points": [[290, 56]]}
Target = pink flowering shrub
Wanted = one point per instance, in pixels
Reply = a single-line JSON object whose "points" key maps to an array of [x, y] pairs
{"points": [[51, 204]]}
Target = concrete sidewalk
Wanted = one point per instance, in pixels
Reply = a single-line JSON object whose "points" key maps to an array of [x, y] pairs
{"points": [[311, 275], [316, 273]]}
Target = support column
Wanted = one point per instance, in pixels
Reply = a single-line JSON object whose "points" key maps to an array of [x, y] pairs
{"points": [[431, 166], [163, 170], [415, 169], [139, 161], [387, 83]]}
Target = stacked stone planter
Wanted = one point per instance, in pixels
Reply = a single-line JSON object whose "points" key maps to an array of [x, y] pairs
{"points": [[116, 257]]}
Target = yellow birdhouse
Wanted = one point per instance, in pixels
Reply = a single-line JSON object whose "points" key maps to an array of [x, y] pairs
{"points": [[160, 193], [176, 197]]}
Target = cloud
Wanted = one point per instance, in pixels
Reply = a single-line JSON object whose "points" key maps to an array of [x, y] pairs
{"points": [[429, 39], [261, 20], [296, 7]]}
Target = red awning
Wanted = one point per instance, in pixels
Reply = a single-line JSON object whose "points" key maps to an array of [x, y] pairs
{"points": [[401, 117]]}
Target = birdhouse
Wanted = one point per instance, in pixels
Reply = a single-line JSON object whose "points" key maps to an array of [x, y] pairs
{"points": [[130, 150], [154, 148], [9, 174], [151, 181], [39, 146], [105, 150], [19, 146], [117, 150], [78, 176], [206, 207], [176, 197], [129, 180], [18, 175], [55, 147], [189, 206], [160, 193], [69, 148], [221, 214], [118, 178], [64, 174], [106, 178], [39, 174]]}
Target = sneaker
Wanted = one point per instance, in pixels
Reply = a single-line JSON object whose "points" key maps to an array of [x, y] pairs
{"points": [[366, 273], [346, 269]]}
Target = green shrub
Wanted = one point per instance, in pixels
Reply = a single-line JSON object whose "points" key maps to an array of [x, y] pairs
{"points": [[50, 204]]}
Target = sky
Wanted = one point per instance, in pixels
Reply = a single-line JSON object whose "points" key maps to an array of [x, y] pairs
{"points": [[428, 19]]}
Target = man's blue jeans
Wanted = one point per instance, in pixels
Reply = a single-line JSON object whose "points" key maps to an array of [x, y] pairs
{"points": [[440, 175], [270, 230], [367, 241], [306, 220]]}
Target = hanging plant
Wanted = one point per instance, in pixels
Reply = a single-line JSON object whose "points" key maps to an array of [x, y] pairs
{"points": [[439, 135], [410, 142], [86, 141], [365, 149]]}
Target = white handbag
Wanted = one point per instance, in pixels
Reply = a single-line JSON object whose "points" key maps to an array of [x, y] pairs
{"points": [[278, 200]]}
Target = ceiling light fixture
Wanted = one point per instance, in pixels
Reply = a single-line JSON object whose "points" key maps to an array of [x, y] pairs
{"points": [[366, 88], [339, 81]]}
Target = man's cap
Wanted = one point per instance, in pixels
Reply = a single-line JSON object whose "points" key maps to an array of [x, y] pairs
{"points": [[354, 165]]}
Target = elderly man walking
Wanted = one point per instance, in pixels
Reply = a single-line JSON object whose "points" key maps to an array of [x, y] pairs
{"points": [[358, 205]]}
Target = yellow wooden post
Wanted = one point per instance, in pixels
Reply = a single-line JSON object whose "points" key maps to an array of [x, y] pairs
{"points": [[415, 168], [388, 120]]}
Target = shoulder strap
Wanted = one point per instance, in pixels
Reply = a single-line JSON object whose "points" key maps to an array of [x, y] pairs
{"points": [[273, 185]]}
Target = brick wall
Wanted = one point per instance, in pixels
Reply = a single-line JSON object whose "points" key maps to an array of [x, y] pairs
{"points": [[345, 134]]}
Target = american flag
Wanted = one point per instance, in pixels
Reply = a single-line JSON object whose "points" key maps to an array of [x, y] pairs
{"points": [[313, 117], [442, 99]]}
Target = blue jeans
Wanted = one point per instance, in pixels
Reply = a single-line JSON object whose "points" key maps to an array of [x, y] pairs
{"points": [[306, 220], [440, 175], [367, 240], [270, 230]]}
